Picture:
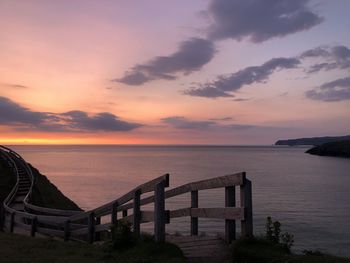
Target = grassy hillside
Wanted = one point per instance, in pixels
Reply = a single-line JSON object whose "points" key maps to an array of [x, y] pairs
{"points": [[46, 194], [340, 149], [23, 249], [7, 181], [259, 250]]}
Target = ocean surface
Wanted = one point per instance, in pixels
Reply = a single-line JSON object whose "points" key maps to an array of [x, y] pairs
{"points": [[309, 195]]}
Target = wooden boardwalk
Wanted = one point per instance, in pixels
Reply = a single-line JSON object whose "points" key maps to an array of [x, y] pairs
{"points": [[18, 215], [202, 249]]}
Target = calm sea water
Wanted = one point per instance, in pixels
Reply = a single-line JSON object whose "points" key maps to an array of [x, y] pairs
{"points": [[309, 195]]}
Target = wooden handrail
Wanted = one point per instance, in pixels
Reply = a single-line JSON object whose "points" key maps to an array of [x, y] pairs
{"points": [[85, 225]]}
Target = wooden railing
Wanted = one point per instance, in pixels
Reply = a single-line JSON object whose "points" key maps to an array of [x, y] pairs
{"points": [[86, 226]]}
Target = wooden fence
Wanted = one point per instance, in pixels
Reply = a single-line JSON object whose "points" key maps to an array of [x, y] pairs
{"points": [[87, 226]]}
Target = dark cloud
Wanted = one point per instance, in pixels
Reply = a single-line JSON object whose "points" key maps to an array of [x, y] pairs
{"points": [[180, 122], [240, 99], [191, 56], [259, 20], [183, 123], [223, 86], [337, 90], [22, 118], [100, 122], [15, 86], [222, 119], [202, 90], [337, 57], [13, 113]]}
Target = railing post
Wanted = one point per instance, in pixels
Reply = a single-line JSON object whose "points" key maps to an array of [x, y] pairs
{"points": [[159, 212], [2, 217], [97, 234], [230, 225], [67, 230], [125, 213], [194, 220], [114, 214], [91, 228], [33, 226], [12, 221], [247, 204], [137, 213]]}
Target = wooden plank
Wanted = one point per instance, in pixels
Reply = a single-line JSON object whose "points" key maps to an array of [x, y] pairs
{"points": [[66, 230], [22, 226], [76, 226], [227, 180], [106, 208], [180, 212], [159, 212], [80, 231], [91, 227], [51, 211], [137, 213], [147, 216], [33, 226], [50, 232], [247, 203], [114, 213], [230, 225], [222, 181], [51, 220], [220, 213], [103, 227], [190, 239], [12, 221], [194, 220]]}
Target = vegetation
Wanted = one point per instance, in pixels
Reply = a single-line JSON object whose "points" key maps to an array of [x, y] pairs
{"points": [[7, 181], [46, 194], [312, 141], [23, 249], [274, 247], [121, 247], [340, 149]]}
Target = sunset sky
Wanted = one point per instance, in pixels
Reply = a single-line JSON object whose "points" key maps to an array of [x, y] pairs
{"points": [[173, 72]]}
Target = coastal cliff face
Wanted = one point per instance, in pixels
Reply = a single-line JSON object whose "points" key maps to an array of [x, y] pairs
{"points": [[312, 141], [338, 149], [45, 193]]}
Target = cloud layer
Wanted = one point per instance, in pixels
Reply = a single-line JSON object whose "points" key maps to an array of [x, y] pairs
{"points": [[180, 122], [259, 20], [337, 57], [22, 118], [223, 86], [337, 90], [191, 56], [256, 20]]}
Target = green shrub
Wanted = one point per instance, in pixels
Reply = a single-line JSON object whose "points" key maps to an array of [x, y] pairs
{"points": [[273, 234], [121, 235]]}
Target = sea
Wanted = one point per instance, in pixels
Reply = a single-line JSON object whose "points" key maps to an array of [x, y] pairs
{"points": [[309, 195]]}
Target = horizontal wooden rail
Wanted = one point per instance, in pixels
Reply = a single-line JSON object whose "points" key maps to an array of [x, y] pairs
{"points": [[86, 225]]}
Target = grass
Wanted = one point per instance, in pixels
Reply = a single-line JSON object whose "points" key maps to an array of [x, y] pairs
{"points": [[46, 194], [7, 181], [259, 250], [23, 249]]}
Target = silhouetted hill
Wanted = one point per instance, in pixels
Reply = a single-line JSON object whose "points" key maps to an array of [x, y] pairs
{"points": [[340, 149], [312, 141]]}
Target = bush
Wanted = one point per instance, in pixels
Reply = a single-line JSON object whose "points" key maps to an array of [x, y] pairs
{"points": [[121, 235], [273, 234]]}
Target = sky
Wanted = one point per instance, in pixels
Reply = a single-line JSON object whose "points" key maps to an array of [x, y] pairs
{"points": [[226, 72]]}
